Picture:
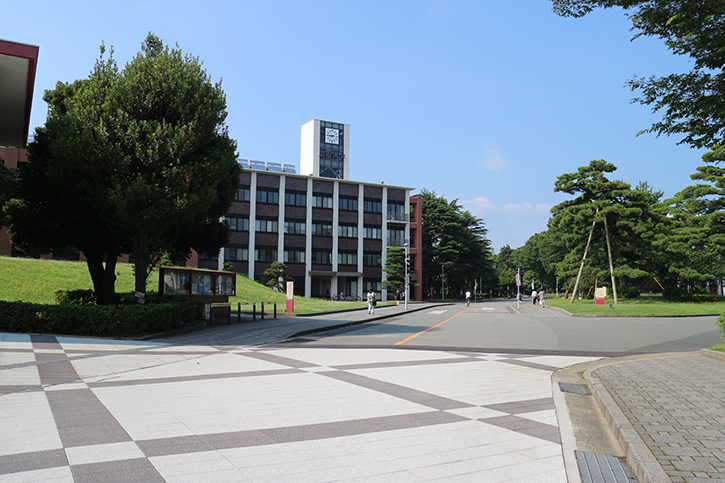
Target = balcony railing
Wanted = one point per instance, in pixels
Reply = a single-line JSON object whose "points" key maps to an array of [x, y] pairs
{"points": [[399, 217]]}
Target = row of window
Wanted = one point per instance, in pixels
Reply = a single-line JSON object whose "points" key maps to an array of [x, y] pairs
{"points": [[318, 229], [319, 201], [322, 257]]}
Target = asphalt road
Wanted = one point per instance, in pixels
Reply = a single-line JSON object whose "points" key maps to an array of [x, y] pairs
{"points": [[491, 327]]}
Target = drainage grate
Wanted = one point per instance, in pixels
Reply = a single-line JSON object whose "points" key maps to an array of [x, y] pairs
{"points": [[602, 468], [574, 388]]}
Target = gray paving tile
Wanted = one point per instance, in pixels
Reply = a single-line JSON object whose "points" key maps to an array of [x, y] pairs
{"points": [[137, 471]]}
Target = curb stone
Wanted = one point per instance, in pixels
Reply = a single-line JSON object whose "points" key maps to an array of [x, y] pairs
{"points": [[640, 459]]}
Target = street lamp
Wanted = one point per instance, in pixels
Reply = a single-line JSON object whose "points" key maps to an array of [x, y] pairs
{"points": [[405, 245]]}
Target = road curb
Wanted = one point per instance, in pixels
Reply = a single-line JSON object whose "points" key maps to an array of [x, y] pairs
{"points": [[643, 463], [714, 354]]}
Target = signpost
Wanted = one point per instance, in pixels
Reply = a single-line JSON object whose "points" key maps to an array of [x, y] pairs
{"points": [[290, 297], [600, 294]]}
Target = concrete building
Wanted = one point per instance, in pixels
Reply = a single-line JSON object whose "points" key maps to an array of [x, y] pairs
{"points": [[332, 233]]}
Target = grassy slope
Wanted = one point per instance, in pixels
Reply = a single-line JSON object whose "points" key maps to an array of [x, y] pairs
{"points": [[31, 280]]}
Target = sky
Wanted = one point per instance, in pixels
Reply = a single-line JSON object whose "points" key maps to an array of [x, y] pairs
{"points": [[482, 101]]}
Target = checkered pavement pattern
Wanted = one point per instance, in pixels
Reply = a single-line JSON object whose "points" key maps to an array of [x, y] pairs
{"points": [[90, 410]]}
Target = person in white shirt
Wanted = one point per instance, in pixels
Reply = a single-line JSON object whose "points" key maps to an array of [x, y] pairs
{"points": [[371, 302]]}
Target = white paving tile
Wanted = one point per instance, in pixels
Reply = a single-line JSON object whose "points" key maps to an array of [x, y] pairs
{"points": [[98, 453], [27, 424]]}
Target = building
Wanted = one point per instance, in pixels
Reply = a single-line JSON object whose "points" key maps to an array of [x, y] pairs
{"points": [[332, 233], [18, 63]]}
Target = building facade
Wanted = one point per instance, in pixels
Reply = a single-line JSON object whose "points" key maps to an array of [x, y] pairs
{"points": [[332, 234]]}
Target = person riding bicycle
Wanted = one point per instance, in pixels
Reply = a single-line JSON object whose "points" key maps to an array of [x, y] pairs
{"points": [[468, 298]]}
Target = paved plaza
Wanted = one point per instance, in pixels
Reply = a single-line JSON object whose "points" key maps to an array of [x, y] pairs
{"points": [[237, 403], [91, 410]]}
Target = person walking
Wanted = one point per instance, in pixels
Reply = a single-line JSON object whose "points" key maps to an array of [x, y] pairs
{"points": [[542, 298], [533, 297], [397, 297], [371, 302]]}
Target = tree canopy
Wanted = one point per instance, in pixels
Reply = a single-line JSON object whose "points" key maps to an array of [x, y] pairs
{"points": [[136, 161], [8, 189], [455, 239], [694, 238], [619, 216], [691, 103], [278, 271]]}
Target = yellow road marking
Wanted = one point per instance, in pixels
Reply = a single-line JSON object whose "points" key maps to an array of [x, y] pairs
{"points": [[429, 328]]}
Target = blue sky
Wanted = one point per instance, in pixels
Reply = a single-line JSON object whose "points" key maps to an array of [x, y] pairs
{"points": [[484, 101]]}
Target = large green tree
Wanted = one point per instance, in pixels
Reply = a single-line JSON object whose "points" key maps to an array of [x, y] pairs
{"points": [[63, 199], [692, 103], [619, 219], [694, 237], [133, 161], [456, 240]]}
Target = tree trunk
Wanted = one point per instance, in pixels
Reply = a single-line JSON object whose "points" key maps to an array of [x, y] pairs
{"points": [[142, 260], [104, 278]]}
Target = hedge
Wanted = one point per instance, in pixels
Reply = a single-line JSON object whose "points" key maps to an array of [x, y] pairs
{"points": [[121, 321]]}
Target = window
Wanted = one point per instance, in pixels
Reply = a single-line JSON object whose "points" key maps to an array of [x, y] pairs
{"points": [[321, 201], [295, 199], [372, 260], [294, 256], [265, 254], [373, 206], [242, 194], [321, 229], [348, 204], [347, 258], [373, 232], [376, 285], [347, 231], [267, 196], [396, 211], [396, 238], [267, 226], [295, 227], [237, 223], [236, 254], [323, 257]]}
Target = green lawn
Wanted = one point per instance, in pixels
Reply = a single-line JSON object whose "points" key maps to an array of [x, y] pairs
{"points": [[644, 305], [31, 280]]}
